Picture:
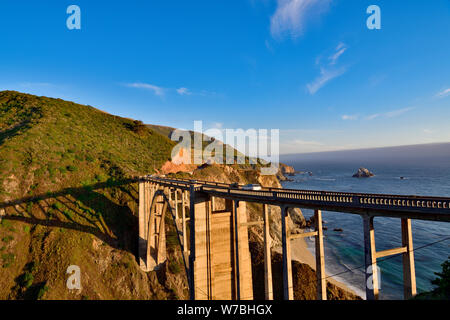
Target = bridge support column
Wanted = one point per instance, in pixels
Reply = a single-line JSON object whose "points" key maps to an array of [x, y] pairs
{"points": [[183, 212], [146, 193], [243, 263], [161, 245], [370, 259], [192, 270], [409, 271], [268, 285], [320, 259], [142, 245], [287, 261], [154, 240], [219, 262], [176, 204]]}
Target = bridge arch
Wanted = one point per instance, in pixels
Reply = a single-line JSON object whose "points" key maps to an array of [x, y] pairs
{"points": [[156, 203]]}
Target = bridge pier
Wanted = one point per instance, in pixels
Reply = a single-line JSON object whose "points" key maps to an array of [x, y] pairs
{"points": [[146, 192], [268, 284], [409, 270], [288, 290], [220, 263], [371, 256], [183, 221], [370, 259], [320, 258], [142, 245]]}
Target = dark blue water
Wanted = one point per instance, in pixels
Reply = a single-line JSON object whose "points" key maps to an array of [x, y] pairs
{"points": [[344, 251]]}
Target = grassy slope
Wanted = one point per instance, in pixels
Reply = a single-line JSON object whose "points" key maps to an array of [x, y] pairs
{"points": [[61, 143], [66, 167]]}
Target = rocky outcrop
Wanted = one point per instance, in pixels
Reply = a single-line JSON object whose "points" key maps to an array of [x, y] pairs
{"points": [[285, 170], [363, 173]]}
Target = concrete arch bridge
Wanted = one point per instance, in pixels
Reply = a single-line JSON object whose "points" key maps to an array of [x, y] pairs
{"points": [[214, 238]]}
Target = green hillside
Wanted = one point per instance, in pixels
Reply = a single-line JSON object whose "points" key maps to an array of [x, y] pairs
{"points": [[66, 198], [50, 142]]}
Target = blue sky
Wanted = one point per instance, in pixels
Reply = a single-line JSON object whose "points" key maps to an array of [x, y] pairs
{"points": [[310, 68]]}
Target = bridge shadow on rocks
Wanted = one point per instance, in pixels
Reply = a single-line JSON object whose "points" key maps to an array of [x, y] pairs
{"points": [[105, 210]]}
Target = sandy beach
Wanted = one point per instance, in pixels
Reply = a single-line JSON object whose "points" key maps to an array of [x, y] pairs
{"points": [[300, 253]]}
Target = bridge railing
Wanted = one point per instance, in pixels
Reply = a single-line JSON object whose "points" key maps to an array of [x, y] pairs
{"points": [[348, 200]]}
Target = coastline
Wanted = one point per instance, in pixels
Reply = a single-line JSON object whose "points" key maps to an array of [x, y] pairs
{"points": [[301, 253]]}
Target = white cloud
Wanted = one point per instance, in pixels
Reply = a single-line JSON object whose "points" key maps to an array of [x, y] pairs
{"points": [[183, 91], [334, 58], [328, 72], [159, 91], [217, 125], [291, 15], [340, 46], [428, 131], [325, 76], [36, 84], [349, 117], [339, 51], [373, 116], [397, 113], [268, 46], [390, 114], [443, 93]]}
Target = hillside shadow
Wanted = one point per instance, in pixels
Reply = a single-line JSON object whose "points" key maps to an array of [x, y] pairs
{"points": [[86, 209], [10, 133]]}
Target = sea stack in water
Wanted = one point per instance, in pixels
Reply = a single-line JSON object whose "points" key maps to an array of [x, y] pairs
{"points": [[363, 173]]}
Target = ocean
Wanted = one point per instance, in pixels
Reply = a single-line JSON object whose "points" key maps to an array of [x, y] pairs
{"points": [[344, 251]]}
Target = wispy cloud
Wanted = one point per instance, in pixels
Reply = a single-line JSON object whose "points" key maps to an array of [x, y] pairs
{"points": [[159, 91], [340, 49], [291, 16], [350, 117], [390, 114], [443, 93], [268, 46], [325, 76], [328, 72], [373, 116], [398, 112], [183, 91], [36, 84]]}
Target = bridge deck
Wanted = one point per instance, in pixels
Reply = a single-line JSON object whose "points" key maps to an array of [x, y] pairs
{"points": [[401, 206]]}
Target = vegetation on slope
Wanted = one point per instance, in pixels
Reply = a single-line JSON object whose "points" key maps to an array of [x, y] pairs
{"points": [[66, 198], [50, 143], [442, 283]]}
